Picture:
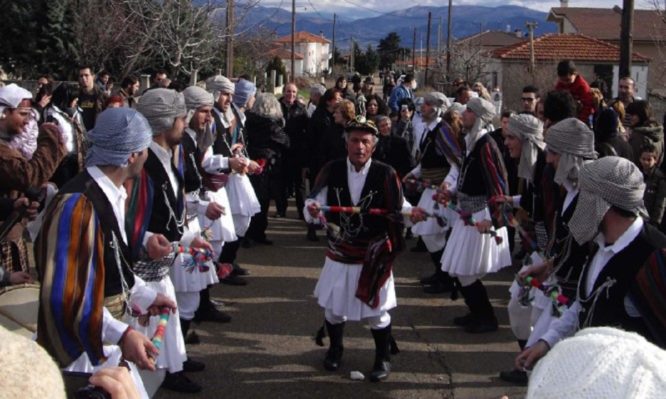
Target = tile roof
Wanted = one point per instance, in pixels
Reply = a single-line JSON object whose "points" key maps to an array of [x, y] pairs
{"points": [[565, 46], [303, 37], [604, 23], [283, 54], [491, 39]]}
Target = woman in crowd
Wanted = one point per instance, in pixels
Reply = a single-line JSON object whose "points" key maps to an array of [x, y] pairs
{"points": [[644, 129], [375, 106]]}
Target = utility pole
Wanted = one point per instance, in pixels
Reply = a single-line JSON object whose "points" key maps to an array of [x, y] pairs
{"points": [[331, 67], [414, 52], [626, 38], [293, 41], [439, 35], [230, 38], [530, 27], [351, 54], [427, 60], [448, 42]]}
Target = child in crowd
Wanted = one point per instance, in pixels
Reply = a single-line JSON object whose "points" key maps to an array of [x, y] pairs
{"points": [[655, 185]]}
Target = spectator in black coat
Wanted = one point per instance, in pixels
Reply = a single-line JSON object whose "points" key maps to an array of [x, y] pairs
{"points": [[391, 149], [296, 125]]}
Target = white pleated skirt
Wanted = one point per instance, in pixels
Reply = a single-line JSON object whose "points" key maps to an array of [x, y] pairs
{"points": [[336, 292], [172, 353], [221, 229], [430, 225], [241, 195], [470, 253]]}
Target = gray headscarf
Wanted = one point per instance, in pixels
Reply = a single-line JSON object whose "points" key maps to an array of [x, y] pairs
{"points": [[484, 111], [574, 141], [161, 107], [196, 97], [610, 181], [530, 131], [118, 133], [437, 100], [219, 84]]}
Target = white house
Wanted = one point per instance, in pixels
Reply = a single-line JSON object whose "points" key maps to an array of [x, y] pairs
{"points": [[314, 50]]}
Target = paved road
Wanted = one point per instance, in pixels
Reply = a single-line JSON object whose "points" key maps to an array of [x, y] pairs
{"points": [[267, 351]]}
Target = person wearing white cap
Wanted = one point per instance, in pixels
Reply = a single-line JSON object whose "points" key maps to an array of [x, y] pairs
{"points": [[471, 251], [164, 213], [609, 215], [438, 149], [229, 133], [19, 173], [83, 235]]}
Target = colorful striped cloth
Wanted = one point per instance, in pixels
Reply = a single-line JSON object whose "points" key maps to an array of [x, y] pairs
{"points": [[139, 211], [649, 295], [69, 252]]}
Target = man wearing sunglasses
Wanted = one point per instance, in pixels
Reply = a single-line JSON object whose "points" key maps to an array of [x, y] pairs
{"points": [[529, 99]]}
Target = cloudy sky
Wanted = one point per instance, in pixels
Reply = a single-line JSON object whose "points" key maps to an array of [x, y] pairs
{"points": [[376, 6]]}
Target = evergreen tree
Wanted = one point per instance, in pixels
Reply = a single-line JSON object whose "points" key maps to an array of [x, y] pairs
{"points": [[389, 50]]}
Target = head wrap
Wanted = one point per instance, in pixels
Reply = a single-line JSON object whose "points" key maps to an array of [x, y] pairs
{"points": [[609, 181], [530, 131], [483, 109], [161, 107], [437, 100], [600, 362], [12, 95], [219, 84], [118, 133], [574, 141], [243, 91], [196, 97], [457, 107]]}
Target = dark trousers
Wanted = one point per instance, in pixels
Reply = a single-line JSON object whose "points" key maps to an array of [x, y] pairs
{"points": [[259, 223]]}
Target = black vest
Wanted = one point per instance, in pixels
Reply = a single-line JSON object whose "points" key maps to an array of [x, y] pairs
{"points": [[161, 219], [85, 184], [361, 228], [191, 157], [430, 158], [622, 268], [472, 180]]}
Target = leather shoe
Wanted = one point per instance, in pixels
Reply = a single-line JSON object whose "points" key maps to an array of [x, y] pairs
{"points": [[179, 382], [193, 366], [234, 280], [437, 288], [332, 359], [239, 271], [514, 376], [380, 371], [192, 339], [481, 325], [263, 240], [312, 235], [212, 315], [432, 279]]}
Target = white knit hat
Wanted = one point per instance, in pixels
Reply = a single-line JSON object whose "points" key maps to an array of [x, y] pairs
{"points": [[601, 362]]}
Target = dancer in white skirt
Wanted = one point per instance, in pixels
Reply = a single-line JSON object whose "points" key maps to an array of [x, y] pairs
{"points": [[439, 149], [471, 252], [166, 214], [229, 145], [357, 281]]}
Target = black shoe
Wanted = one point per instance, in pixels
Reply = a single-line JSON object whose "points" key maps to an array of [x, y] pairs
{"points": [[192, 338], [247, 243], [213, 315], [463, 320], [234, 280], [263, 240], [380, 371], [438, 288], [179, 382], [419, 248], [193, 366], [514, 376], [333, 358], [432, 279], [480, 325], [239, 271]]}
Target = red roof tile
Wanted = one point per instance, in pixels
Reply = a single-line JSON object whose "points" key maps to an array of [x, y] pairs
{"points": [[491, 39], [565, 46], [283, 54], [604, 23], [303, 37]]}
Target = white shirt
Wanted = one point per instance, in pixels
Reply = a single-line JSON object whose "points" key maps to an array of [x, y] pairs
{"points": [[572, 192], [141, 296], [567, 324], [166, 159]]}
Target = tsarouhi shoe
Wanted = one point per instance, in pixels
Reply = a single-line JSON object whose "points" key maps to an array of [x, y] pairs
{"points": [[180, 383]]}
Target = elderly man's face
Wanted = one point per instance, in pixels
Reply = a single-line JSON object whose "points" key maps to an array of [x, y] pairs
{"points": [[290, 92], [384, 127], [224, 101], [360, 146], [202, 116]]}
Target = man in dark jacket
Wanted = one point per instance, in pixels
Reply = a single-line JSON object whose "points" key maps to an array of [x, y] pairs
{"points": [[296, 124]]}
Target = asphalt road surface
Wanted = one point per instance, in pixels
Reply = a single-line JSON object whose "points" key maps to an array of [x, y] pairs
{"points": [[268, 349]]}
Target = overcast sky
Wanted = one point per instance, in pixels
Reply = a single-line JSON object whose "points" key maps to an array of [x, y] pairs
{"points": [[375, 6]]}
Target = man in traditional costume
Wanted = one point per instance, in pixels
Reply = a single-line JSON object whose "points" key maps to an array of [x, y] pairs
{"points": [[158, 204], [614, 288], [229, 143], [84, 261], [19, 173], [478, 243], [357, 281], [439, 148]]}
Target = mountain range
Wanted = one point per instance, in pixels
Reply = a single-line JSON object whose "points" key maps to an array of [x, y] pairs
{"points": [[466, 20]]}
